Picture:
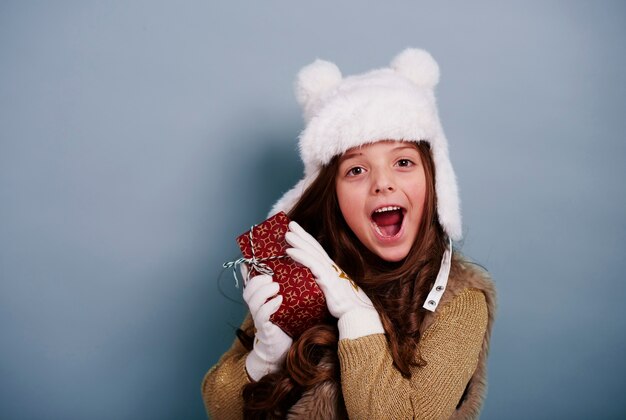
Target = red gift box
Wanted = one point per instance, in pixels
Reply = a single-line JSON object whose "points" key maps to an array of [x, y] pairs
{"points": [[303, 304]]}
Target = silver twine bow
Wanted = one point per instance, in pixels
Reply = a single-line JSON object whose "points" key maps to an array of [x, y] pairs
{"points": [[255, 263]]}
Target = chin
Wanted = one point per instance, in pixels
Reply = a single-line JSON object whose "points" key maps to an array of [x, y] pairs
{"points": [[392, 255]]}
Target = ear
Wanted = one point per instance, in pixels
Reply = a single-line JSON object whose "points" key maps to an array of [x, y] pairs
{"points": [[418, 66], [314, 80]]}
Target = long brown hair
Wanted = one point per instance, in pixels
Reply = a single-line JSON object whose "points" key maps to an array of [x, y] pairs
{"points": [[397, 290]]}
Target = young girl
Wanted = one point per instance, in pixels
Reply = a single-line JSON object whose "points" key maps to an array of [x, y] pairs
{"points": [[374, 217]]}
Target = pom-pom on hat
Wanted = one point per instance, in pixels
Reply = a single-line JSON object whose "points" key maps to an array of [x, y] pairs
{"points": [[393, 103]]}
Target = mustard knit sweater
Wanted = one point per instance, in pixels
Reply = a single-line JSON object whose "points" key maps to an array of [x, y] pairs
{"points": [[372, 388]]}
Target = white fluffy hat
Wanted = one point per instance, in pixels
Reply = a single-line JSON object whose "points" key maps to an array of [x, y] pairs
{"points": [[394, 103]]}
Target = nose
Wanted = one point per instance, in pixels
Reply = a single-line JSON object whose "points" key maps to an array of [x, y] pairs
{"points": [[383, 183], [387, 188]]}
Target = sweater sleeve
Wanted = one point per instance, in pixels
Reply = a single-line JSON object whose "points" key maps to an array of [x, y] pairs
{"points": [[374, 388], [222, 384]]}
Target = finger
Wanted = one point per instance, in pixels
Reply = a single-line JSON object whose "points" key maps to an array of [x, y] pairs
{"points": [[299, 242], [243, 268], [296, 240], [261, 296], [306, 236], [300, 237], [254, 284], [266, 310], [308, 260]]}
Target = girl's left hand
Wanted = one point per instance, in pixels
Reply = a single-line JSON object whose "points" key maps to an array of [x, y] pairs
{"points": [[346, 301]]}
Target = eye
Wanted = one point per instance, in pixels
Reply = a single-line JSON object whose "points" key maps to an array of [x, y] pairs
{"points": [[357, 170], [405, 162]]}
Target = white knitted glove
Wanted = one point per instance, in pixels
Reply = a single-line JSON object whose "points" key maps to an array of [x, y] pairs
{"points": [[270, 342], [345, 300]]}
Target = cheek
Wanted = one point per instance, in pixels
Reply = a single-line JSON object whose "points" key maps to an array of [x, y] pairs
{"points": [[421, 199], [418, 190], [421, 196], [348, 203]]}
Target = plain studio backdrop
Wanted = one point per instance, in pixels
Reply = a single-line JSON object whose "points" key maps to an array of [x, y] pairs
{"points": [[139, 138]]}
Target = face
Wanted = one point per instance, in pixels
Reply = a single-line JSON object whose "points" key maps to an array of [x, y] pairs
{"points": [[381, 189]]}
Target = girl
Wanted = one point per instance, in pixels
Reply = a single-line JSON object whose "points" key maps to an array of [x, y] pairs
{"points": [[374, 217]]}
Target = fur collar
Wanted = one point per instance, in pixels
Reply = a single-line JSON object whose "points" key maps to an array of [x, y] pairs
{"points": [[471, 275], [325, 401]]}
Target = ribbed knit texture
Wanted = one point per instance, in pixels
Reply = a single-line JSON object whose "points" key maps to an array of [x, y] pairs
{"points": [[372, 388], [223, 383]]}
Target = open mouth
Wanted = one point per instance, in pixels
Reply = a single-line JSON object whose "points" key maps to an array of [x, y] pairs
{"points": [[388, 220]]}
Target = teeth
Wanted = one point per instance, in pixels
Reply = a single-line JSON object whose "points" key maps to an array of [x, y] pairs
{"points": [[389, 208]]}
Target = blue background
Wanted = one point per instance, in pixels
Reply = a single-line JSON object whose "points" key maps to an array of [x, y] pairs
{"points": [[138, 138]]}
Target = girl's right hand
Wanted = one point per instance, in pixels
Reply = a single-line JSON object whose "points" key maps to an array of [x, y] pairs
{"points": [[270, 342], [346, 301]]}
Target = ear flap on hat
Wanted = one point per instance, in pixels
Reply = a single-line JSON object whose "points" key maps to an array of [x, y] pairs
{"points": [[291, 197], [313, 81], [418, 66]]}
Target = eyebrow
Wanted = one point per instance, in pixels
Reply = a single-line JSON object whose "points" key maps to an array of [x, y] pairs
{"points": [[349, 156], [355, 153]]}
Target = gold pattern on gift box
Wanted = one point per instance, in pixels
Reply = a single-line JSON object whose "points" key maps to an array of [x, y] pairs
{"points": [[263, 247]]}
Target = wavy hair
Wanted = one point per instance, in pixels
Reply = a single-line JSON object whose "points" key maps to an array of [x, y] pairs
{"points": [[397, 290]]}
